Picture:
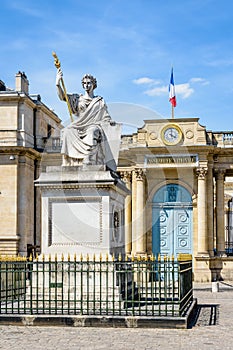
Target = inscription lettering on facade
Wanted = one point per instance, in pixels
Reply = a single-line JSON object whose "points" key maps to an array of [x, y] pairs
{"points": [[172, 159]]}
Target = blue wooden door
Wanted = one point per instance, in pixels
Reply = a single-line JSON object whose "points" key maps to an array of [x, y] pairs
{"points": [[172, 222]]}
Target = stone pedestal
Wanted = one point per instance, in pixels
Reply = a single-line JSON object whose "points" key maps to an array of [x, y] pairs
{"points": [[82, 211]]}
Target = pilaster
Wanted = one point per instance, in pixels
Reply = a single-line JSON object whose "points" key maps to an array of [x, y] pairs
{"points": [[126, 176], [202, 212], [220, 232], [140, 196], [210, 210]]}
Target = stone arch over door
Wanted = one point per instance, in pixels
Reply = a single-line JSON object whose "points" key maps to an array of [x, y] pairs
{"points": [[172, 220]]}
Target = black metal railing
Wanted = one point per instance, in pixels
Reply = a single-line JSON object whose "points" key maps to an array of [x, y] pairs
{"points": [[229, 240], [53, 145], [138, 287], [13, 278], [229, 248]]}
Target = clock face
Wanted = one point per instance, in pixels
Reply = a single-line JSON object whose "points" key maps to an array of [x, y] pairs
{"points": [[171, 135]]}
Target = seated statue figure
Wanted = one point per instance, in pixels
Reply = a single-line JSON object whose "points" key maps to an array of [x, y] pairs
{"points": [[84, 140]]}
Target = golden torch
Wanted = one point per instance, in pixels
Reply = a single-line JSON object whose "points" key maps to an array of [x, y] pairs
{"points": [[57, 64]]}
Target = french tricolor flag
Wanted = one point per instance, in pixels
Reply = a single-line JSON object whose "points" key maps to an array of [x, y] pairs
{"points": [[172, 94]]}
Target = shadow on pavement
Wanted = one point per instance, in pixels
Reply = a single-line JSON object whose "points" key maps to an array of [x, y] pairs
{"points": [[205, 315]]}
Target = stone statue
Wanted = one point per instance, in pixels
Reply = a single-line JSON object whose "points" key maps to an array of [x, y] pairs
{"points": [[86, 140]]}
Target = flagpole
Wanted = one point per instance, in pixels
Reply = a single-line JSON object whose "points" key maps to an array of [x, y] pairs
{"points": [[172, 112]]}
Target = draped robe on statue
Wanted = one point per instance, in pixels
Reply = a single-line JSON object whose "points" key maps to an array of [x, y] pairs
{"points": [[85, 140]]}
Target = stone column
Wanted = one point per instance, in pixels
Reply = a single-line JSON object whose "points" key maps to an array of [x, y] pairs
{"points": [[134, 213], [25, 203], [127, 177], [210, 210], [202, 212], [140, 227], [220, 232]]}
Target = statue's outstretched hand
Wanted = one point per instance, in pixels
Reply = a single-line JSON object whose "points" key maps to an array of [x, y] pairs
{"points": [[59, 76]]}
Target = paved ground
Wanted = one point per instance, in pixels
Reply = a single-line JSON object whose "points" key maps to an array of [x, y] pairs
{"points": [[212, 329]]}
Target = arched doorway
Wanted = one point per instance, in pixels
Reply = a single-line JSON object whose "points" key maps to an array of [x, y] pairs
{"points": [[172, 221]]}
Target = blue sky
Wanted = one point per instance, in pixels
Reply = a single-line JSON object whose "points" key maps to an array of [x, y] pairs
{"points": [[130, 47]]}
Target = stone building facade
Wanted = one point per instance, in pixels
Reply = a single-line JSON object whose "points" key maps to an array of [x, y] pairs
{"points": [[25, 126], [181, 181], [180, 176]]}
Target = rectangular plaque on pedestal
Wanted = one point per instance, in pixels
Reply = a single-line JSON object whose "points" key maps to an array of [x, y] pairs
{"points": [[75, 220]]}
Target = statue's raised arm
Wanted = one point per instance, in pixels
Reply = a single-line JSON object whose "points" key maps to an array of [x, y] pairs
{"points": [[60, 91]]}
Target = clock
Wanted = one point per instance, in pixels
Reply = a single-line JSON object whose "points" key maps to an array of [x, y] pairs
{"points": [[171, 134]]}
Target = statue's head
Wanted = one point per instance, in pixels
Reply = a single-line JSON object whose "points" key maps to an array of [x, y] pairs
{"points": [[93, 80]]}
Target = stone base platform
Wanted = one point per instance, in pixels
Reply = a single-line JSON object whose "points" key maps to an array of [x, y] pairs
{"points": [[101, 321]]}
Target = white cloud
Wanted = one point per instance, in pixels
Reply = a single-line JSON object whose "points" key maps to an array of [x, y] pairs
{"points": [[202, 81], [184, 90], [158, 91], [145, 80]]}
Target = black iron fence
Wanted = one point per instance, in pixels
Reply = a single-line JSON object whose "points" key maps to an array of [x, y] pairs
{"points": [[53, 144], [13, 278], [138, 287], [229, 248], [229, 239]]}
